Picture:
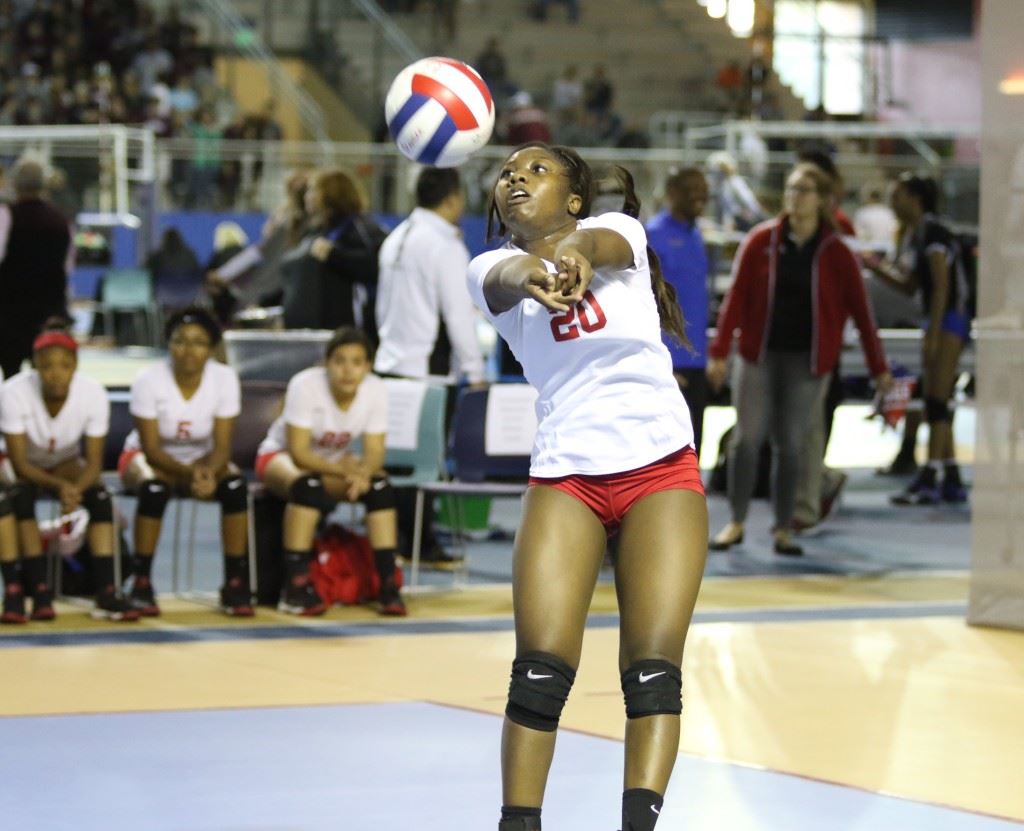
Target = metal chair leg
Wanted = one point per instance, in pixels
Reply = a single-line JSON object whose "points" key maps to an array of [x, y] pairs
{"points": [[175, 582], [190, 563], [417, 538], [250, 521]]}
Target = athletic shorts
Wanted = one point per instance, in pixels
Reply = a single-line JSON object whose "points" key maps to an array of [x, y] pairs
{"points": [[124, 460], [262, 461], [954, 322], [610, 497]]}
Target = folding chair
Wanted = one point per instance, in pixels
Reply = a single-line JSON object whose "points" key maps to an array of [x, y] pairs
{"points": [[129, 290], [491, 439]]}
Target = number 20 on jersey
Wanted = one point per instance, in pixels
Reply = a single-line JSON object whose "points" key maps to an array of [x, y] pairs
{"points": [[586, 315]]}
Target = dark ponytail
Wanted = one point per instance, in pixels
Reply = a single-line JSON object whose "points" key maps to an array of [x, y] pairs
{"points": [[669, 311], [923, 188]]}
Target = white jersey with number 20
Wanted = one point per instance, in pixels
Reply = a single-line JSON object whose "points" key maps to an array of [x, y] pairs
{"points": [[607, 399]]}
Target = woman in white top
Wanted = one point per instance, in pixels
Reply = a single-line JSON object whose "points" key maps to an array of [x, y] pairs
{"points": [[307, 459], [185, 411], [581, 302], [48, 413]]}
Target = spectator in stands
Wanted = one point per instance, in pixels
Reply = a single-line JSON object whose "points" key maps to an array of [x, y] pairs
{"points": [[36, 259], [307, 460], [426, 320], [174, 269], [330, 277], [567, 95], [676, 238], [492, 66], [598, 91], [49, 413], [930, 260], [758, 73], [730, 83], [185, 410], [874, 221], [205, 161], [526, 122], [735, 205], [539, 9], [153, 63], [796, 283]]}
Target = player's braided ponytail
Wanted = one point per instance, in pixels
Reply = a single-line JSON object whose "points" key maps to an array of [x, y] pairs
{"points": [[617, 179]]}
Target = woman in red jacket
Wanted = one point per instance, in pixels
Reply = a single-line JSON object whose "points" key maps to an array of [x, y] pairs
{"points": [[795, 283]]}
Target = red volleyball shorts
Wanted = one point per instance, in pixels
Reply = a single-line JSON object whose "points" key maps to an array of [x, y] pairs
{"points": [[611, 496], [261, 463], [124, 460]]}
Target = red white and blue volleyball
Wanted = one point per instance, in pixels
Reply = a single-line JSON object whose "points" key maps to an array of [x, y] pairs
{"points": [[439, 112]]}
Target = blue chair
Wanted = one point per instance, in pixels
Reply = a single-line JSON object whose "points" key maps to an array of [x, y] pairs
{"points": [[129, 290], [424, 462], [476, 471]]}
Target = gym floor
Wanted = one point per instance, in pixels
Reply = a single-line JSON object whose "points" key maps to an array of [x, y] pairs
{"points": [[840, 691]]}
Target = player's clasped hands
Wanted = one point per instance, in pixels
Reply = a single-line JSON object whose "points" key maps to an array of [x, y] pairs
{"points": [[562, 290], [204, 482]]}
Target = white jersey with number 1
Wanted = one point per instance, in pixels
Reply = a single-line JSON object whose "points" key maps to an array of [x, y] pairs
{"points": [[53, 440], [607, 399], [185, 425]]}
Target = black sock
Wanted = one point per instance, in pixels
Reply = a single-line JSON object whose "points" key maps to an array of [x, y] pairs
{"points": [[640, 809], [103, 574], [528, 818], [384, 560], [951, 473], [236, 566], [142, 566], [296, 563], [34, 569], [11, 572]]}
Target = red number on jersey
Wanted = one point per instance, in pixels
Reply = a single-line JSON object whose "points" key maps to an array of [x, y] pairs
{"points": [[184, 431], [564, 327]]}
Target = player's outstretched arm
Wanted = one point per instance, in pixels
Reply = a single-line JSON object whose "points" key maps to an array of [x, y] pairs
{"points": [[515, 279]]}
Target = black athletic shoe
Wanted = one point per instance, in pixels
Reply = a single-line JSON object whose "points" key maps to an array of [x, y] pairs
{"points": [[143, 597], [922, 491], [112, 605], [390, 599], [235, 599], [42, 603], [14, 605], [300, 598]]}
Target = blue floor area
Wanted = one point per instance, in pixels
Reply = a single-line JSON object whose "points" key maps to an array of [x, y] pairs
{"points": [[866, 536], [385, 767]]}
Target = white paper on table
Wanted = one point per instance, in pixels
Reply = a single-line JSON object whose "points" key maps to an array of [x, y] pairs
{"points": [[511, 423], [405, 402]]}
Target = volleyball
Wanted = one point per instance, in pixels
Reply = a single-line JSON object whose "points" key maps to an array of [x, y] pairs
{"points": [[439, 112]]}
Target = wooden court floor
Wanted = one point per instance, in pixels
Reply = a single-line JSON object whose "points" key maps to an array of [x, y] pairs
{"points": [[872, 683]]}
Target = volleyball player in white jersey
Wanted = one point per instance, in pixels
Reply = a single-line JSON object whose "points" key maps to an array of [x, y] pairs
{"points": [[581, 302], [185, 410], [13, 610], [48, 412], [307, 460]]}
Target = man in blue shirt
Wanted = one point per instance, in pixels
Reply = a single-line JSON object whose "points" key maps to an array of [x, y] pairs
{"points": [[675, 237]]}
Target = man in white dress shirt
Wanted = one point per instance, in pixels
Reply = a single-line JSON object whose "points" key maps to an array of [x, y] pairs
{"points": [[422, 285]]}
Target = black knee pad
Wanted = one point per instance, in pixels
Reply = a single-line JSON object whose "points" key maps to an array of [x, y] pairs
{"points": [[652, 687], [308, 491], [23, 500], [539, 688], [6, 507], [936, 410], [380, 496], [153, 498], [96, 500], [232, 494]]}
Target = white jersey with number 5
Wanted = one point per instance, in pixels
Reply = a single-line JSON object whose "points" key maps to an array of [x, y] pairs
{"points": [[185, 426], [607, 399], [53, 440]]}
